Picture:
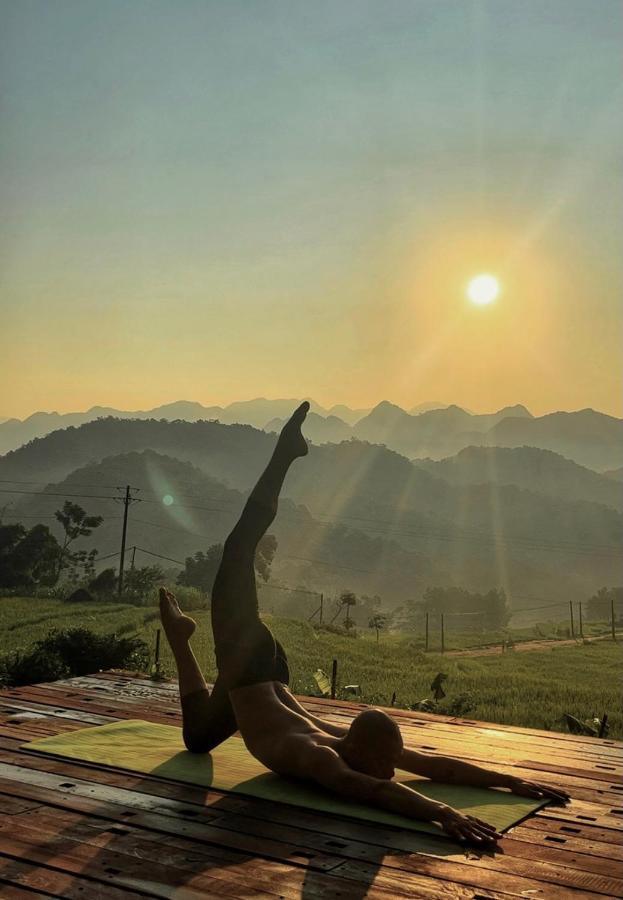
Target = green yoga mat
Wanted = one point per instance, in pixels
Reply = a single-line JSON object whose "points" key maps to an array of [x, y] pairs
{"points": [[158, 750]]}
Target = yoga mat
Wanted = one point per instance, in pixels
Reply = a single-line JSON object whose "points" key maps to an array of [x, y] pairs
{"points": [[158, 750]]}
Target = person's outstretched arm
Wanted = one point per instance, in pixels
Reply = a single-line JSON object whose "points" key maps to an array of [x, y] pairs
{"points": [[328, 769], [455, 771]]}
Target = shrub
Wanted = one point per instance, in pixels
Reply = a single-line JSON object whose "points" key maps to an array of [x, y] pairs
{"points": [[75, 651], [81, 595], [104, 584], [31, 668]]}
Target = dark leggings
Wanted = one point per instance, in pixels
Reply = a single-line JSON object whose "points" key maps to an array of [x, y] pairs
{"points": [[246, 651]]}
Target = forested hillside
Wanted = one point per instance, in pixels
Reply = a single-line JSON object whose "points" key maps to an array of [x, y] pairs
{"points": [[367, 517]]}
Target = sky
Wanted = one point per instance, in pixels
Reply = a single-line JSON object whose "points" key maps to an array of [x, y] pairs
{"points": [[215, 201]]}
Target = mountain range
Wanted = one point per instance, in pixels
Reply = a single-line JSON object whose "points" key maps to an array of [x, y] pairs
{"points": [[15, 432], [356, 514], [589, 438]]}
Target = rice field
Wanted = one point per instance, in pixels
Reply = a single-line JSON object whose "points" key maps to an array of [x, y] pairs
{"points": [[528, 689]]}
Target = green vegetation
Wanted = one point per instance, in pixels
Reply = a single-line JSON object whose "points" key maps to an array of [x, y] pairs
{"points": [[74, 651], [531, 689]]}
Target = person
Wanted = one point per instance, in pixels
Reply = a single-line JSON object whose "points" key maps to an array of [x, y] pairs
{"points": [[251, 693]]}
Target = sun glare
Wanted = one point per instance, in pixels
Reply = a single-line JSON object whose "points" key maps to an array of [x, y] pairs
{"points": [[483, 289]]}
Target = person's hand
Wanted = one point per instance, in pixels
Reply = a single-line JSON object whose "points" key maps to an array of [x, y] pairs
{"points": [[537, 791], [466, 828]]}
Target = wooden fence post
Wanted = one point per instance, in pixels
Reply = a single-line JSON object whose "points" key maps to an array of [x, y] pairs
{"points": [[614, 634], [443, 636], [571, 617], [334, 679], [580, 624], [426, 644]]}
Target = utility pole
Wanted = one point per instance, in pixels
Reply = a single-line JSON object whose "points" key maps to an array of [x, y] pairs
{"points": [[580, 624], [133, 558], [126, 500]]}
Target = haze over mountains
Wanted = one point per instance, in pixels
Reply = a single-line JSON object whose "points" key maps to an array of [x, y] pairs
{"points": [[358, 515], [590, 438], [15, 432]]}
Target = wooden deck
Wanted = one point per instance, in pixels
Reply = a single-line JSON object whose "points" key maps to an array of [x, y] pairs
{"points": [[83, 831]]}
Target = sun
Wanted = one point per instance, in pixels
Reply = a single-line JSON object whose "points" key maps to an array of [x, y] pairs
{"points": [[483, 289]]}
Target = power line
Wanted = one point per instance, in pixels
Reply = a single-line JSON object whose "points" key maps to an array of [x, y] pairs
{"points": [[54, 494], [47, 483], [324, 521]]}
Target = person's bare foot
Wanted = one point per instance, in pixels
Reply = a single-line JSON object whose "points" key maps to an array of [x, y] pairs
{"points": [[178, 627], [291, 441]]}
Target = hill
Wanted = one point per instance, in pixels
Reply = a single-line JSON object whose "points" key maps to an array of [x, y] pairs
{"points": [[319, 429], [371, 518], [526, 467], [588, 437], [16, 432], [434, 433], [179, 509]]}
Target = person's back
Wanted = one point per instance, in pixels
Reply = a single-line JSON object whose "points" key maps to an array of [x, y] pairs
{"points": [[277, 735]]}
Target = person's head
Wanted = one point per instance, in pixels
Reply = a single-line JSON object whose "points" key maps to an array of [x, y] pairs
{"points": [[373, 744]]}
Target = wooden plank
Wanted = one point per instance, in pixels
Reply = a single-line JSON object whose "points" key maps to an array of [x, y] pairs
{"points": [[40, 880], [10, 806], [15, 892], [14, 707], [582, 830], [596, 849], [368, 851], [584, 859], [187, 865], [278, 850], [183, 874]]}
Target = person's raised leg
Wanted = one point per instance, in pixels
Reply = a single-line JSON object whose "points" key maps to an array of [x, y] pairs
{"points": [[207, 717], [234, 595], [178, 628]]}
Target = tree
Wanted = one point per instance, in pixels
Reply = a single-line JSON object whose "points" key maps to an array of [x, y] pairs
{"points": [[104, 584], [379, 621], [600, 604], [81, 565], [27, 558], [140, 582], [491, 607], [76, 523], [264, 555], [348, 599], [200, 570]]}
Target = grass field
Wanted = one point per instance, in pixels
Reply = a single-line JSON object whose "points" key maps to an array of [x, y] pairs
{"points": [[529, 689]]}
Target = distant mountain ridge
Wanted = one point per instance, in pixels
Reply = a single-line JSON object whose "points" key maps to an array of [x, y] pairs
{"points": [[16, 432], [359, 507], [589, 438], [529, 468]]}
